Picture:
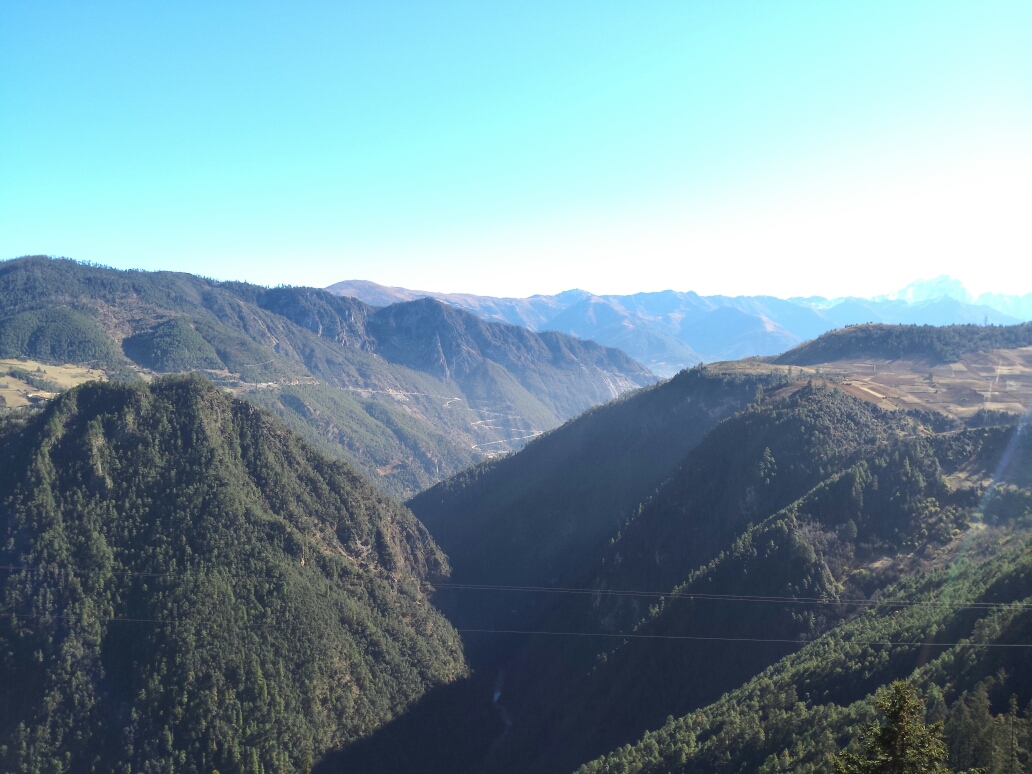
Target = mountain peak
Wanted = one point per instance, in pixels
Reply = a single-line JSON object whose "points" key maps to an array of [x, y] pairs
{"points": [[930, 290], [187, 540]]}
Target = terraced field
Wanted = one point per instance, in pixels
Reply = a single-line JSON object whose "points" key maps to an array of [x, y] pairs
{"points": [[16, 390], [999, 380]]}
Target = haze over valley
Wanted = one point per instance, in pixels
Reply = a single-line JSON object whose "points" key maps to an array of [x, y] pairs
{"points": [[566, 388], [585, 547]]}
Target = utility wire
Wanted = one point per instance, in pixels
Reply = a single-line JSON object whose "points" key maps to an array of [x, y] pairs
{"points": [[750, 639], [734, 597], [885, 643], [621, 592]]}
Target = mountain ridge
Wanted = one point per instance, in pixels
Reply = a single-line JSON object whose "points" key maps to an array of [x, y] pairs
{"points": [[187, 585], [320, 361], [669, 330]]}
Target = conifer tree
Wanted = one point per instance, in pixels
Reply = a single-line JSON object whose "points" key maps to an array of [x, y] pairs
{"points": [[902, 743]]}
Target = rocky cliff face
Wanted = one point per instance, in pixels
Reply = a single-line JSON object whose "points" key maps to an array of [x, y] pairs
{"points": [[334, 317]]}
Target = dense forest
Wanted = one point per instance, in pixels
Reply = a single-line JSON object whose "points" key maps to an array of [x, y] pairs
{"points": [[57, 335], [964, 634], [535, 518], [787, 531], [882, 512], [188, 586]]}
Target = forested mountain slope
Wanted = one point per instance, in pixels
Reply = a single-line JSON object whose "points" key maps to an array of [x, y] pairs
{"points": [[869, 503], [428, 389], [787, 519], [566, 374], [791, 498], [962, 635], [189, 586], [535, 518]]}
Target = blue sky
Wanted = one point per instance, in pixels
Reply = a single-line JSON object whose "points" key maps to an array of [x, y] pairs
{"points": [[790, 148]]}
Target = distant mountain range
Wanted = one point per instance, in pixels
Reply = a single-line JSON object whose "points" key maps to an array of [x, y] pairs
{"points": [[408, 393], [669, 330]]}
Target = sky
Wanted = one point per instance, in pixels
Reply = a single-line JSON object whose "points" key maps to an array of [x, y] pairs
{"points": [[783, 148]]}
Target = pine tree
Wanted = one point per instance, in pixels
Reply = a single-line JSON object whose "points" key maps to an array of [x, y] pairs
{"points": [[902, 743]]}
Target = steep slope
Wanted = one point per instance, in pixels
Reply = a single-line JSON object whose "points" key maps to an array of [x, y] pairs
{"points": [[400, 450], [424, 417], [535, 517], [750, 474], [787, 518], [627, 325], [668, 330], [729, 333], [1018, 307], [941, 310], [775, 527], [189, 586], [526, 312], [57, 335], [963, 639], [566, 374]]}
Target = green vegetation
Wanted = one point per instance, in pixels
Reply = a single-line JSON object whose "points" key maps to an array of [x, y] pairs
{"points": [[902, 743], [172, 346], [879, 518], [537, 517], [747, 565], [782, 527], [998, 743], [794, 498], [387, 445], [564, 374], [941, 344], [797, 715], [56, 335], [470, 389], [36, 379], [187, 586]]}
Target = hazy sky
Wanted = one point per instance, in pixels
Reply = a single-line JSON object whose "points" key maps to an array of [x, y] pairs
{"points": [[790, 148]]}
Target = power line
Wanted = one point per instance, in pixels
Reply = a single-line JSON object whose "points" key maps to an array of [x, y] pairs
{"points": [[733, 597], [759, 598], [748, 639], [60, 616], [613, 635]]}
